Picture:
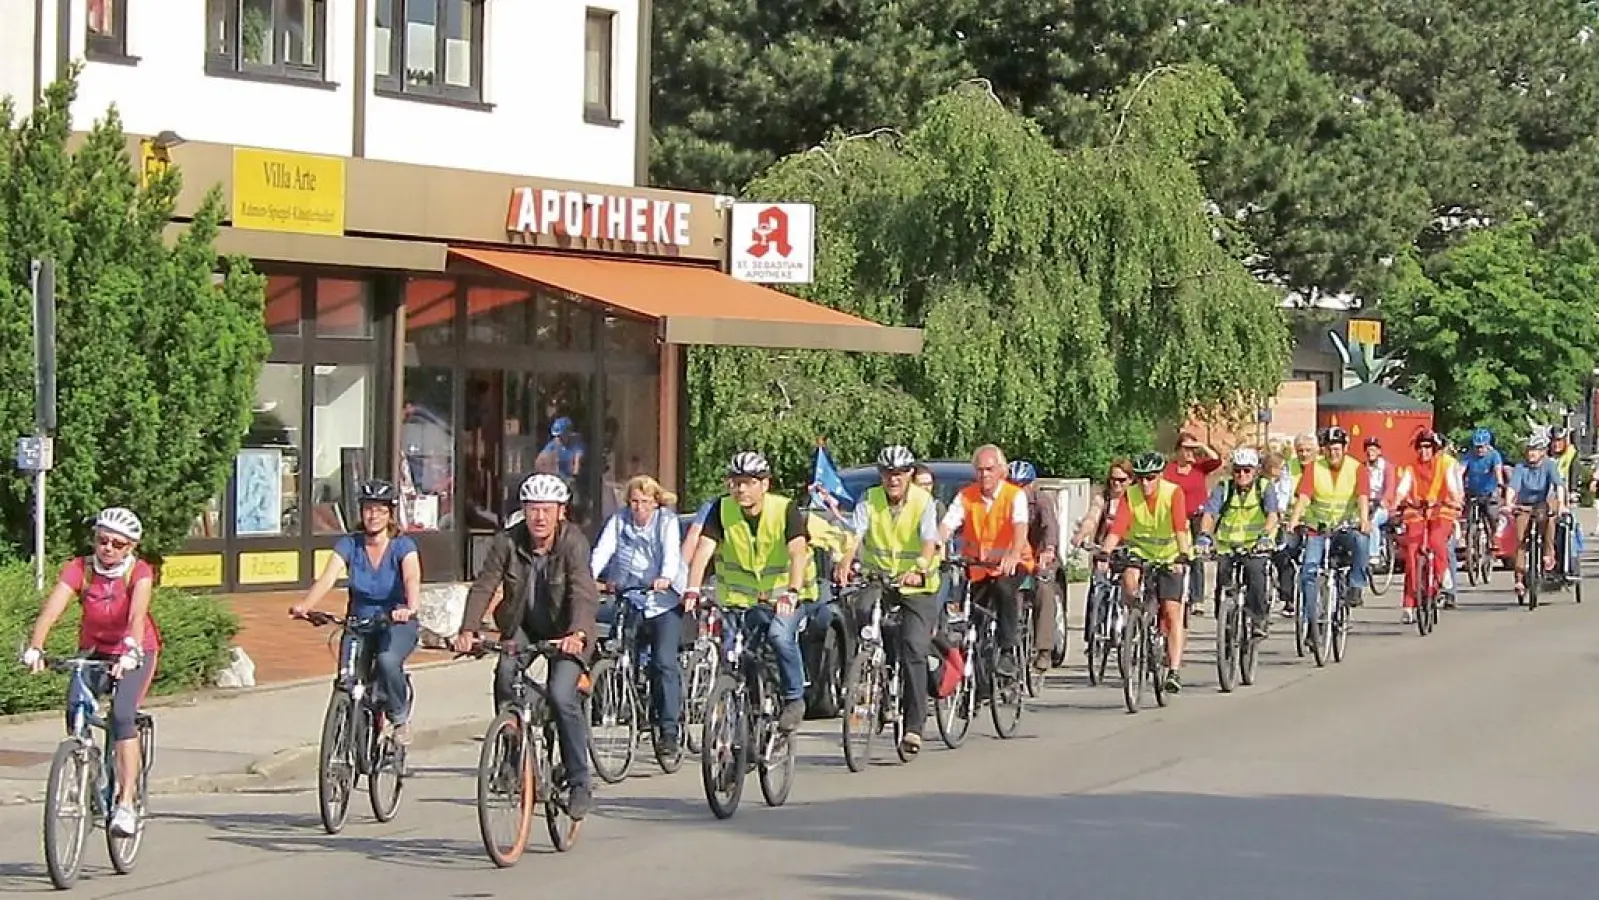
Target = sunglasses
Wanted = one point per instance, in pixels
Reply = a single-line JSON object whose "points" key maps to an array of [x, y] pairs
{"points": [[1243, 470], [115, 543], [895, 472], [1154, 477], [1119, 479]]}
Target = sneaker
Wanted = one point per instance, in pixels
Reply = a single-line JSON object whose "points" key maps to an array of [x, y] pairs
{"points": [[1449, 601], [1288, 611], [911, 743], [1196, 610], [580, 802], [1409, 616], [1261, 627], [1174, 682], [793, 714], [1356, 597], [402, 734], [669, 743], [124, 821]]}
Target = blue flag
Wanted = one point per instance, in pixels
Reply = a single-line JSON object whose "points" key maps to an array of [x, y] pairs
{"points": [[824, 475]]}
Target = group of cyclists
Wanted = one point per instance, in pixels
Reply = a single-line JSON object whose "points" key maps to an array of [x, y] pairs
{"points": [[996, 546]]}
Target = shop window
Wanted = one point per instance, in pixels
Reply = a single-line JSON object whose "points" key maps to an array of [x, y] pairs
{"points": [[632, 430], [562, 323], [267, 469], [430, 312], [343, 308], [283, 307], [429, 49], [284, 39], [341, 432], [427, 449], [630, 336], [498, 315], [207, 523], [599, 39], [106, 27]]}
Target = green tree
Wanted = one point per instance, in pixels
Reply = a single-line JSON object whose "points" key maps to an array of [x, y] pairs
{"points": [[157, 360], [1497, 329], [1069, 299]]}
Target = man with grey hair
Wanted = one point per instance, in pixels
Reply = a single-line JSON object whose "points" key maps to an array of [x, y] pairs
{"points": [[991, 517]]}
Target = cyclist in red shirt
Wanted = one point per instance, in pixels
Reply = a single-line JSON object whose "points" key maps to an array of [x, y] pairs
{"points": [[114, 587], [1191, 471]]}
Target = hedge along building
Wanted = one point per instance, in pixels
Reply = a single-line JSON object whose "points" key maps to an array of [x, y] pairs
{"points": [[454, 263]]}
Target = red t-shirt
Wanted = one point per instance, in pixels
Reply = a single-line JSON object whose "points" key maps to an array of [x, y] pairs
{"points": [[1124, 513], [107, 603], [1307, 480], [1193, 484]]}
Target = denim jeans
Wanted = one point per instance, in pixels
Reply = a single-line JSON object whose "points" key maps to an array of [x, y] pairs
{"points": [[392, 645], [1353, 542], [1379, 517], [783, 632], [664, 636], [571, 727]]}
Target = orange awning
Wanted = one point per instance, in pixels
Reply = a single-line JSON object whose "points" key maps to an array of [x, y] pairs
{"points": [[700, 305]]}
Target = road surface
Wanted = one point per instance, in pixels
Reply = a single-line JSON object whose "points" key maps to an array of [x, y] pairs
{"points": [[1455, 766]]}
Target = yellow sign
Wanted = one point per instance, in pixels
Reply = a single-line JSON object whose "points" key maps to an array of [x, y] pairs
{"points": [[277, 191], [269, 567], [153, 162], [199, 570], [1365, 331], [320, 561]]}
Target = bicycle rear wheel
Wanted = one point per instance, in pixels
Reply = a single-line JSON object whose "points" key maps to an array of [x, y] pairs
{"points": [[613, 722], [505, 790], [336, 774], [1005, 698], [776, 762], [1382, 575], [1249, 652], [384, 783], [68, 805], [124, 851], [724, 749], [862, 709]]}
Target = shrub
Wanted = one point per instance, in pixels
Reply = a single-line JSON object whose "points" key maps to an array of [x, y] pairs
{"points": [[196, 632]]}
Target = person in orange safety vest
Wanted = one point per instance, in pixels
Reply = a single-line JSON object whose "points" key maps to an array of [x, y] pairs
{"points": [[991, 516], [1429, 496]]}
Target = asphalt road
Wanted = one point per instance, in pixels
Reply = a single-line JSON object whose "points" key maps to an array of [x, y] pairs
{"points": [[1455, 766]]}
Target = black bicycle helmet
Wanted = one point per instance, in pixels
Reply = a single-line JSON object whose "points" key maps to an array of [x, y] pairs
{"points": [[1559, 433], [1149, 464], [1334, 435], [379, 491]]}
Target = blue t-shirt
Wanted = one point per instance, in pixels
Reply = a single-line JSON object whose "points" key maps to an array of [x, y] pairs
{"points": [[1482, 472], [374, 589], [566, 455], [1530, 485]]}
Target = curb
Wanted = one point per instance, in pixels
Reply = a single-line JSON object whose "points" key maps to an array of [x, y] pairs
{"points": [[293, 766]]}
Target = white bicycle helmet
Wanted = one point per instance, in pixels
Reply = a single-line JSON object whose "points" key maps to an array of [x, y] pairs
{"points": [[544, 488], [896, 457], [1246, 458], [748, 464], [120, 521]]}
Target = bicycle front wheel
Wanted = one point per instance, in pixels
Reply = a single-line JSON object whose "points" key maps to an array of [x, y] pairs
{"points": [[384, 783], [1228, 643], [335, 780], [954, 713], [1130, 662], [724, 750], [863, 708], [505, 790], [68, 804], [1382, 575]]}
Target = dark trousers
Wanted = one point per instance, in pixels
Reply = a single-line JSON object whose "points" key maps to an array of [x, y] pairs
{"points": [[1287, 578], [664, 636], [570, 725], [919, 616], [1196, 570], [1001, 595], [1254, 580]]}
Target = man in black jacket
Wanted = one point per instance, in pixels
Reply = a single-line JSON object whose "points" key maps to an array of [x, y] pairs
{"points": [[541, 567]]}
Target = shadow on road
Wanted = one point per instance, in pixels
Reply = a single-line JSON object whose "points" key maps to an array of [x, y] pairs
{"points": [[299, 832], [1146, 845]]}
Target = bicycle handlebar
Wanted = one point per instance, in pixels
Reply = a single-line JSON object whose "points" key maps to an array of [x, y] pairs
{"points": [[317, 619]]}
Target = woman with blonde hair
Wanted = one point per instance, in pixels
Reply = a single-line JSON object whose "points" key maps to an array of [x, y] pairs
{"points": [[639, 557]]}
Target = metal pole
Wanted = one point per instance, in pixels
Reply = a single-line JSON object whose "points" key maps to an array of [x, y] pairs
{"points": [[38, 529]]}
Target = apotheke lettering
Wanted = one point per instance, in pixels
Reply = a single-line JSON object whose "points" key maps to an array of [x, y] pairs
{"points": [[598, 217]]}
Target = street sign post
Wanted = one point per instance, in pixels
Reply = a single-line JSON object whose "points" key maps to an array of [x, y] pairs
{"points": [[37, 454]]}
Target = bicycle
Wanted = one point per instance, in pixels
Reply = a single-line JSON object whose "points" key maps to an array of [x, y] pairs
{"points": [[1568, 573], [1102, 624], [1479, 541], [355, 743], [1385, 564], [82, 786], [520, 763], [1427, 587], [976, 629], [1323, 628], [1237, 630], [741, 714], [873, 685], [1141, 658], [624, 696], [1532, 580]]}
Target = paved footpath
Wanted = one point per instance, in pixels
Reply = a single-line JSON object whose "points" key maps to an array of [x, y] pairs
{"points": [[1455, 766]]}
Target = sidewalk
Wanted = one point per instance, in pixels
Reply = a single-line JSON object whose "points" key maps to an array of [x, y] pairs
{"points": [[255, 737]]}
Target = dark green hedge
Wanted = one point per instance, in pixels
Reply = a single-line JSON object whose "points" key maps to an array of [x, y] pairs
{"points": [[196, 632]]}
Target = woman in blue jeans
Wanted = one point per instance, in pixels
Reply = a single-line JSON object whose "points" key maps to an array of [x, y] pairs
{"points": [[385, 578], [639, 557]]}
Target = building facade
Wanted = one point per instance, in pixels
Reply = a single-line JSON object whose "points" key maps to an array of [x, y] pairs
{"points": [[464, 284]]}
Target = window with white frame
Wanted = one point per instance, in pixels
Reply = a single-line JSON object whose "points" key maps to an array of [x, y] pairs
{"points": [[429, 49]]}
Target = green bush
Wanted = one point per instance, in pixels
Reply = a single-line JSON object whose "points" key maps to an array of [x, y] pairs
{"points": [[196, 632]]}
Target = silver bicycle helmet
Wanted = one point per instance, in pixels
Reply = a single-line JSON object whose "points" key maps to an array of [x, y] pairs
{"points": [[544, 488], [896, 457], [120, 521], [749, 464]]}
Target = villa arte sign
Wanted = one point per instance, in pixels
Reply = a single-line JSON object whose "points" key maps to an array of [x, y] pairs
{"points": [[598, 217]]}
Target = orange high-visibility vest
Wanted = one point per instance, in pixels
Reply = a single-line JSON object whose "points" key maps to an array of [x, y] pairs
{"points": [[986, 534]]}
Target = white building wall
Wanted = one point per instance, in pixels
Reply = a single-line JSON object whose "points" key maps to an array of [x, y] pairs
{"points": [[530, 123]]}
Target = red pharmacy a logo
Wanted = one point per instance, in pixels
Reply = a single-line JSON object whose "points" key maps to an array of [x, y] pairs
{"points": [[771, 233]]}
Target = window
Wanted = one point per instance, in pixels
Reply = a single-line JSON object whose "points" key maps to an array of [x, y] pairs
{"points": [[343, 308], [431, 49], [271, 38], [341, 432], [427, 449], [106, 25], [268, 467], [598, 37]]}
